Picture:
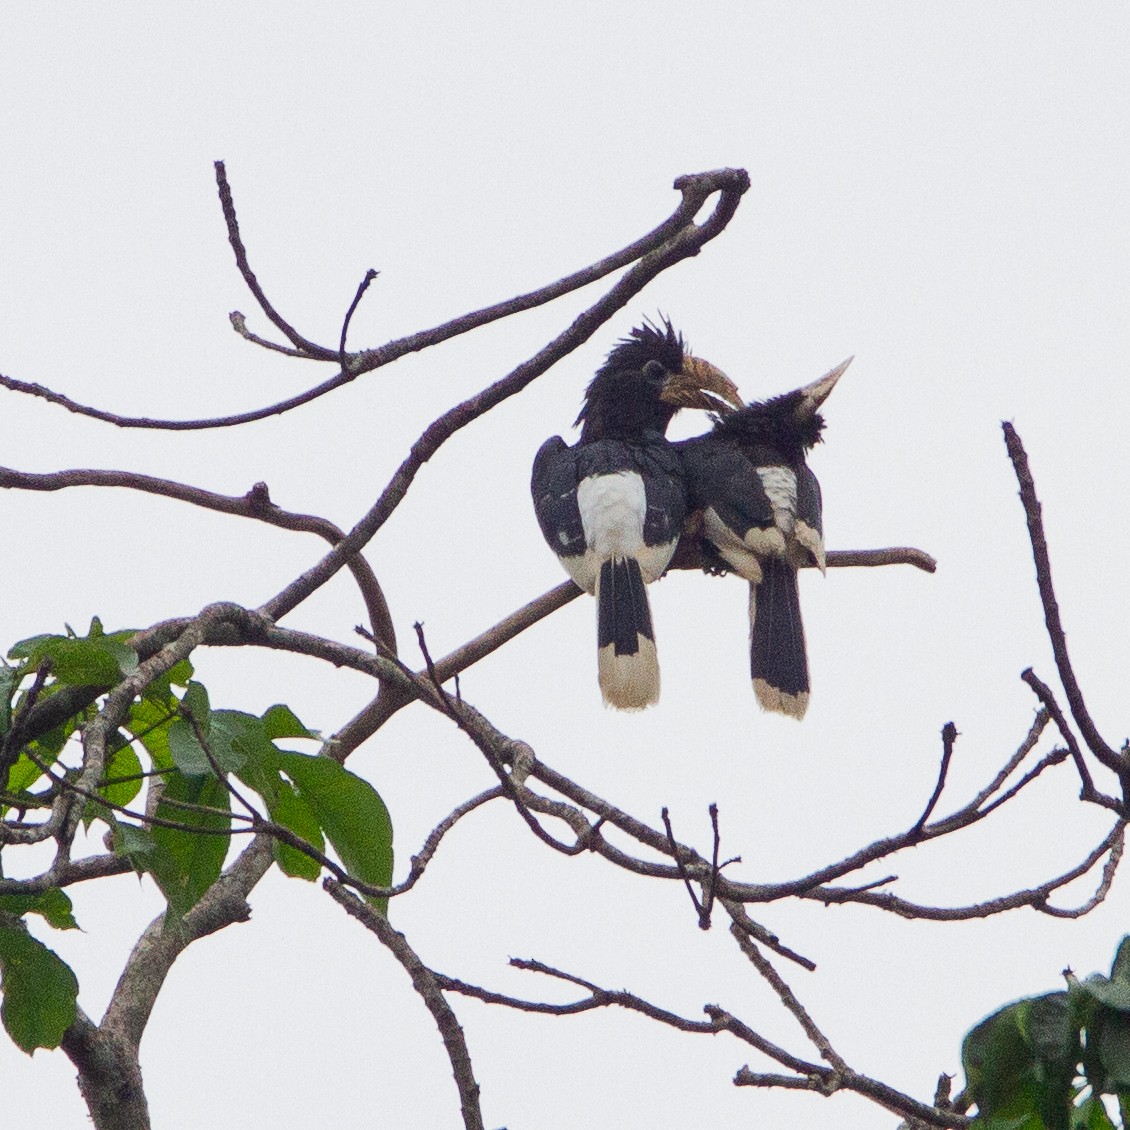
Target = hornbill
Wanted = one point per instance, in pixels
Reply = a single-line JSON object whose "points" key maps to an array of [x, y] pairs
{"points": [[613, 505], [755, 507]]}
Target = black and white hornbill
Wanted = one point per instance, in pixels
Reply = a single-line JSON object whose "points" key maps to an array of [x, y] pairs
{"points": [[613, 505], [755, 508]]}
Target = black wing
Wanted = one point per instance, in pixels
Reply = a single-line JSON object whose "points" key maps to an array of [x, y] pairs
{"points": [[554, 488], [723, 479]]}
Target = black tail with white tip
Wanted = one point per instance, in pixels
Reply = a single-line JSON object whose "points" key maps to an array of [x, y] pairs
{"points": [[777, 658], [627, 663]]}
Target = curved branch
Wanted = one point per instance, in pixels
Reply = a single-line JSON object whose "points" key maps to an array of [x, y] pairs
{"points": [[1088, 791], [307, 348], [730, 184], [428, 986], [1035, 897], [1033, 513], [672, 234], [256, 503]]}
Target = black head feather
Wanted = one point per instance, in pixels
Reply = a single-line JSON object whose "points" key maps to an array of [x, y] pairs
{"points": [[776, 423], [623, 398], [645, 343]]}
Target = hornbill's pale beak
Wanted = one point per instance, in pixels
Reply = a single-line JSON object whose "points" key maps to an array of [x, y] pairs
{"points": [[699, 384], [813, 395]]}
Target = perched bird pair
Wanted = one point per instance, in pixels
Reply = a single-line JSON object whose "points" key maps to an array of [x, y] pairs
{"points": [[614, 506]]}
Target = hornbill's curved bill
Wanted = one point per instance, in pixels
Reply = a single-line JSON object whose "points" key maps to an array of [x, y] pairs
{"points": [[612, 506], [755, 507]]}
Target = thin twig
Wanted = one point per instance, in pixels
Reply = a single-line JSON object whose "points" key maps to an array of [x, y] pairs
{"points": [[239, 324], [597, 998], [1089, 793], [1034, 897], [949, 736], [343, 360], [827, 1082], [672, 843], [235, 239], [688, 242], [740, 917], [788, 998], [715, 869], [1039, 723]]}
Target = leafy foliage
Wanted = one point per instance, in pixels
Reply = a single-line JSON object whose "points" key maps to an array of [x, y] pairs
{"points": [[199, 761], [39, 988], [1045, 1062]]}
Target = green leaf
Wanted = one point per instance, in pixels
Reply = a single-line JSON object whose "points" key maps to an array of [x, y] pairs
{"points": [[160, 688], [132, 842], [1001, 1068], [238, 738], [233, 738], [187, 753], [149, 722], [195, 701], [1120, 970], [9, 681], [123, 776], [40, 991], [99, 660], [1114, 1050], [23, 774], [1029, 1121], [52, 905], [1046, 1022], [351, 813], [1112, 994], [186, 862], [281, 722], [287, 808], [49, 745]]}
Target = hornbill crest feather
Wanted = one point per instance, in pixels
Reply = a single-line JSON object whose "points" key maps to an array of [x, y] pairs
{"points": [[645, 379]]}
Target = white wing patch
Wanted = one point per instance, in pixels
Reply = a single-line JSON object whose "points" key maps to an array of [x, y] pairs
{"points": [[780, 488]]}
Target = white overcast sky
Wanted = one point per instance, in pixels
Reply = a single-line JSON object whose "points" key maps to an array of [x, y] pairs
{"points": [[939, 189]]}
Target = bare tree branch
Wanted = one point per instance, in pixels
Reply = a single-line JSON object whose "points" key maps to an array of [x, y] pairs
{"points": [[788, 998], [1033, 512], [377, 713], [1035, 897], [427, 985], [1089, 793], [307, 348], [676, 238], [828, 1081], [688, 242], [342, 359], [256, 503], [949, 736]]}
